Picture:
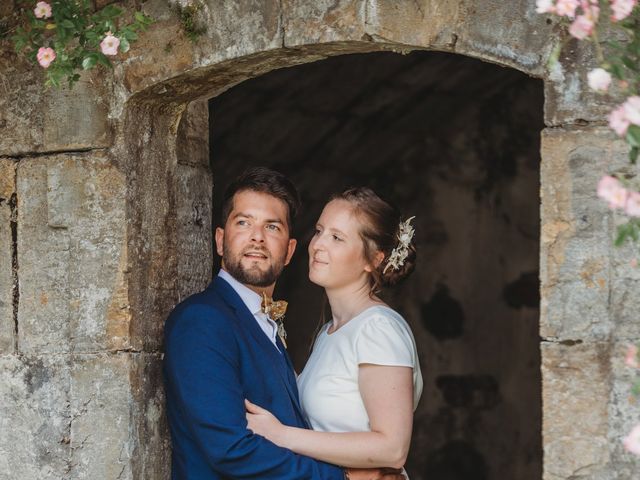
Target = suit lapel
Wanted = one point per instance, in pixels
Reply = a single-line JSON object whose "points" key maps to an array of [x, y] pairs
{"points": [[280, 361]]}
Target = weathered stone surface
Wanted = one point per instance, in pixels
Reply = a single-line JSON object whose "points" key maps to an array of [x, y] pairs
{"points": [[33, 119], [575, 412], [577, 233], [70, 244], [323, 21], [100, 416], [623, 410], [34, 417], [150, 431], [7, 191]]}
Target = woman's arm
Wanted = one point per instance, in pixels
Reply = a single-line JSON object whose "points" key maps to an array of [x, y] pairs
{"points": [[387, 393]]}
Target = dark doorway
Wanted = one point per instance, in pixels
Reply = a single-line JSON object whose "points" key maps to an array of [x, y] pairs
{"points": [[455, 142]]}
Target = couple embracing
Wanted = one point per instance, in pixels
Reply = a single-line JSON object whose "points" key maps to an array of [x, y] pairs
{"points": [[235, 407]]}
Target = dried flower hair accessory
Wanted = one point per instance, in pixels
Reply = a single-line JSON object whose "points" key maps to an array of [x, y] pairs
{"points": [[401, 251]]}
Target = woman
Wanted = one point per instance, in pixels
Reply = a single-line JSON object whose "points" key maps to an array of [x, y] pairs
{"points": [[362, 382]]}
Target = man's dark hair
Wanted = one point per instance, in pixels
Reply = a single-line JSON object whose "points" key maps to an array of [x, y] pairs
{"points": [[263, 180]]}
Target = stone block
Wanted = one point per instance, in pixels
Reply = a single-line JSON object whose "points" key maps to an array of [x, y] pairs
{"points": [[575, 409], [624, 413], [195, 240], [34, 417], [323, 21], [100, 412], [577, 232], [117, 426], [7, 191], [72, 255], [35, 119], [192, 144]]}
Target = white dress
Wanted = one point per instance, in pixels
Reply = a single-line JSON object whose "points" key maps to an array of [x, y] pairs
{"points": [[328, 385]]}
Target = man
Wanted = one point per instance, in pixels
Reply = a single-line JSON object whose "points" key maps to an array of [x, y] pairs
{"points": [[220, 349]]}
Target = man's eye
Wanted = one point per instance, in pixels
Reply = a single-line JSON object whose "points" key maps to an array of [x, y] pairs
{"points": [[242, 222], [273, 227]]}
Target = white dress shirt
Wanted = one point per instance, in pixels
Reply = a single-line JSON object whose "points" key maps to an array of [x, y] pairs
{"points": [[253, 301]]}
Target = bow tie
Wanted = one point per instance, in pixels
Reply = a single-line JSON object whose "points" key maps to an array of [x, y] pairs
{"points": [[275, 310]]}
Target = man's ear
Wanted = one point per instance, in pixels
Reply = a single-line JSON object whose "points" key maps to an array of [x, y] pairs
{"points": [[290, 249], [219, 240]]}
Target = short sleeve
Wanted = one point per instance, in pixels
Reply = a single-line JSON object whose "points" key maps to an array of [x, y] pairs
{"points": [[384, 341]]}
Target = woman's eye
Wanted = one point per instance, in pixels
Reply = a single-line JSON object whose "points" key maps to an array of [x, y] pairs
{"points": [[317, 232], [336, 238]]}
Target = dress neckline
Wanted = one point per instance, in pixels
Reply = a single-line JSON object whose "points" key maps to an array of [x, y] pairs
{"points": [[361, 313]]}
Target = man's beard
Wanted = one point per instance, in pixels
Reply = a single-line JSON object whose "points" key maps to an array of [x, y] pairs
{"points": [[252, 276]]}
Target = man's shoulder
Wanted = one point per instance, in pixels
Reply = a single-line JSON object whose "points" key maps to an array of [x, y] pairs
{"points": [[206, 306]]}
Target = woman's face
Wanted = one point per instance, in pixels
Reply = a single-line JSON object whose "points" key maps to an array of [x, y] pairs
{"points": [[336, 252]]}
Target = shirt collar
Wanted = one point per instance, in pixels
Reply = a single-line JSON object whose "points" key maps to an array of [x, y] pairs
{"points": [[251, 299]]}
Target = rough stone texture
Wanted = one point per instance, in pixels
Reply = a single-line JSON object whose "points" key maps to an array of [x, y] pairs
{"points": [[70, 244], [7, 199], [576, 242], [81, 416], [575, 397], [34, 417], [36, 120]]}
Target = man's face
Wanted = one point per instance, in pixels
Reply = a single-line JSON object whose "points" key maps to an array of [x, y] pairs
{"points": [[255, 244]]}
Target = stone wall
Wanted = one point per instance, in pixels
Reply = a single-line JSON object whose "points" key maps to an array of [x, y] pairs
{"points": [[105, 224]]}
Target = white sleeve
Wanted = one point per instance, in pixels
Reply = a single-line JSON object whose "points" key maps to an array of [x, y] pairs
{"points": [[384, 341]]}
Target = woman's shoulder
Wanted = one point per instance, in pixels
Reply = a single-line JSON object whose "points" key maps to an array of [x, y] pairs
{"points": [[382, 317]]}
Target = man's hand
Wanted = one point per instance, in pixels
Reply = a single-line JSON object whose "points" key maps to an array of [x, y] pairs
{"points": [[374, 474]]}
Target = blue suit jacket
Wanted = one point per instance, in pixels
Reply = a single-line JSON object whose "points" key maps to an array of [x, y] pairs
{"points": [[216, 355]]}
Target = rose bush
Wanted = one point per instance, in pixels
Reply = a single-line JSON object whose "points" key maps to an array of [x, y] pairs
{"points": [[65, 36]]}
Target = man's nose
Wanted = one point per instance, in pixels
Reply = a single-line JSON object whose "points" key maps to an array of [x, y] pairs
{"points": [[257, 233]]}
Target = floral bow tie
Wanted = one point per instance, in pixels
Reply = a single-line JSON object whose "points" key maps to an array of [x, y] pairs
{"points": [[275, 310]]}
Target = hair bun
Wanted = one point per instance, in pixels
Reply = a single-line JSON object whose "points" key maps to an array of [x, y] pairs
{"points": [[393, 275]]}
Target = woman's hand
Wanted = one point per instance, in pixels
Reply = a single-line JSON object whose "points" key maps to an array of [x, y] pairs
{"points": [[263, 423]]}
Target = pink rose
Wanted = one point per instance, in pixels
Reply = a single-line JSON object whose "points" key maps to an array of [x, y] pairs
{"points": [[618, 121], [545, 6], [109, 44], [42, 10], [632, 109], [631, 358], [632, 208], [567, 8], [45, 56], [632, 441], [611, 190], [581, 27], [599, 79], [621, 9]]}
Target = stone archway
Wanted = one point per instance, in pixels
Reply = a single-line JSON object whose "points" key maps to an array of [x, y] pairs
{"points": [[108, 201]]}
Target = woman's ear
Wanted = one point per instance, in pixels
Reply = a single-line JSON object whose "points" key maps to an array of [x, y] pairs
{"points": [[377, 260]]}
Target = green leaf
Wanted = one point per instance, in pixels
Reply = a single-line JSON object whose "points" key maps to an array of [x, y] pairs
{"points": [[633, 155], [124, 45], [68, 24], [623, 233], [629, 63], [89, 61], [103, 60], [616, 70], [633, 136]]}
